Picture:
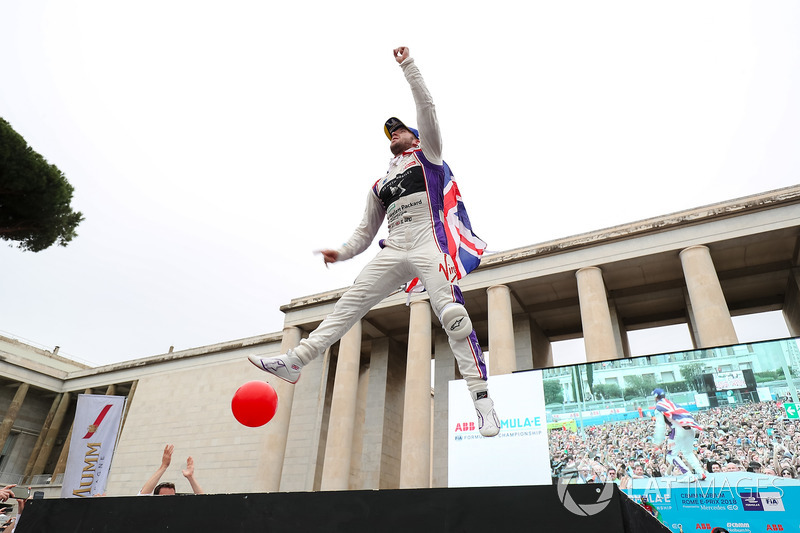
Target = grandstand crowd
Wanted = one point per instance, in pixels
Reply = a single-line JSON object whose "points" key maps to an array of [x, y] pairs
{"points": [[752, 437]]}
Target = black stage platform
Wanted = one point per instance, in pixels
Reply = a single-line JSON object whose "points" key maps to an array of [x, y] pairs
{"points": [[484, 509]]}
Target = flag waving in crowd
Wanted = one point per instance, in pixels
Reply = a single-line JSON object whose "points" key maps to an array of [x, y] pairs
{"points": [[676, 414]]}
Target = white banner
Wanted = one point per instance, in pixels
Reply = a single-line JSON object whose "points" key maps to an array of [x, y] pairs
{"points": [[519, 455], [94, 437]]}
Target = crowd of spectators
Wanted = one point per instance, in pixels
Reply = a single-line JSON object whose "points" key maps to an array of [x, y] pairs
{"points": [[752, 437]]}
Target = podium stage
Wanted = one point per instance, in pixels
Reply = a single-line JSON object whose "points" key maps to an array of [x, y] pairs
{"points": [[483, 509]]}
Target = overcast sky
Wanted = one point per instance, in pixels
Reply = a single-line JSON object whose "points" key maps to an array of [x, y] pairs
{"points": [[214, 145]]}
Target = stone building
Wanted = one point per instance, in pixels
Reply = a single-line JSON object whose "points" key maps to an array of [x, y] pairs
{"points": [[364, 416]]}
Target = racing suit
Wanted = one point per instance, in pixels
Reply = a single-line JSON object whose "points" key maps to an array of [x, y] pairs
{"points": [[675, 425], [410, 196]]}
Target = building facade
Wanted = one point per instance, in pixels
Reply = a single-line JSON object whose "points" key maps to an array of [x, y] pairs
{"points": [[363, 416]]}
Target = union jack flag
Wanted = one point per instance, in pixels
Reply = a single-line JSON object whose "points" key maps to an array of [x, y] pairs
{"points": [[462, 244], [676, 414]]}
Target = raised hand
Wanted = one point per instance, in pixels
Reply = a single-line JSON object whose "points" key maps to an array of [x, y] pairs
{"points": [[401, 53]]}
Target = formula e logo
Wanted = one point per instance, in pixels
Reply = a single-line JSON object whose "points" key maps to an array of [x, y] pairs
{"points": [[583, 509]]}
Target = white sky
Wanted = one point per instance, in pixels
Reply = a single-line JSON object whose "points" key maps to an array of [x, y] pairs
{"points": [[214, 145]]}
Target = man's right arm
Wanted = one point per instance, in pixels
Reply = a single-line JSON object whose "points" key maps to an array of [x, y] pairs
{"points": [[151, 483], [363, 235]]}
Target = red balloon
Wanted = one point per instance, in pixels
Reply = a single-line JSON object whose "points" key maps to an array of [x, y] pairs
{"points": [[254, 403]]}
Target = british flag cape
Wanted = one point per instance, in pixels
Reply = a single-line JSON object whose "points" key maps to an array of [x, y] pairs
{"points": [[463, 245], [676, 414]]}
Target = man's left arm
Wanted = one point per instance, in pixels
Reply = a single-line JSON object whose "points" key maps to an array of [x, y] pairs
{"points": [[188, 473], [428, 124]]}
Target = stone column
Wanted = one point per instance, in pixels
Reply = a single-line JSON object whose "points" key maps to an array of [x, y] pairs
{"points": [[61, 464], [542, 347], [339, 445], [415, 457], [42, 434], [445, 371], [50, 439], [502, 355], [305, 446], [791, 303], [11, 414], [380, 461], [598, 331], [128, 401], [270, 466], [708, 310]]}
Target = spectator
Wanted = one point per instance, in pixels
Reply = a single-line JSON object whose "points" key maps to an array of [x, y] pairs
{"points": [[638, 471], [6, 493], [152, 486]]}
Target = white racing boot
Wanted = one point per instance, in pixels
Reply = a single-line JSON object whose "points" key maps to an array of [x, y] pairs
{"points": [[285, 366], [488, 423]]}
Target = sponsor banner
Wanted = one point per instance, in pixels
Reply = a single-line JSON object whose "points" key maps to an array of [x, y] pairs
{"points": [[94, 437], [741, 502], [519, 455], [586, 414]]}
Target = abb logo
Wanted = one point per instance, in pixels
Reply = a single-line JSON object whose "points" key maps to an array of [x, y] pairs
{"points": [[774, 527], [465, 426], [703, 526]]}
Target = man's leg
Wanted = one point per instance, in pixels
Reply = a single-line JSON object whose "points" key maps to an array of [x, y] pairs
{"points": [[684, 443], [448, 304], [385, 273]]}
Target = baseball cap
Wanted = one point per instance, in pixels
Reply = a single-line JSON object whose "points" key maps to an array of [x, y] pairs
{"points": [[394, 123], [658, 392]]}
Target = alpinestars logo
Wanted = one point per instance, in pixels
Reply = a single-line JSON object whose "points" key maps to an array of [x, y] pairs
{"points": [[583, 509], [457, 324]]}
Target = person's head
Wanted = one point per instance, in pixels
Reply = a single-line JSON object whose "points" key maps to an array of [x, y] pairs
{"points": [[715, 467], [731, 467], [787, 473], [659, 393], [164, 489], [638, 469], [401, 137], [612, 474]]}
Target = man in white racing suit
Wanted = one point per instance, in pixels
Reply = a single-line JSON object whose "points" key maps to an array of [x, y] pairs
{"points": [[678, 427], [410, 196]]}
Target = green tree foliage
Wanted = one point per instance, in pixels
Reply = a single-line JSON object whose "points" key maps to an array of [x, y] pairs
{"points": [[607, 391], [35, 197], [552, 392], [639, 386], [692, 373]]}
